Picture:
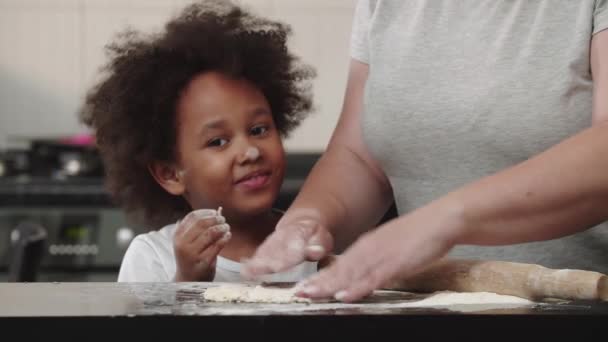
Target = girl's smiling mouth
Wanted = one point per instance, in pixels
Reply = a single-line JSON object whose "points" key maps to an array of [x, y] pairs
{"points": [[254, 180]]}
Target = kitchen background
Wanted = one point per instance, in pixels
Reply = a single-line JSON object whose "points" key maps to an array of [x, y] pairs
{"points": [[56, 222]]}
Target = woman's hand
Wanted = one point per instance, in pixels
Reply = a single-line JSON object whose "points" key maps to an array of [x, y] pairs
{"points": [[300, 237], [399, 248]]}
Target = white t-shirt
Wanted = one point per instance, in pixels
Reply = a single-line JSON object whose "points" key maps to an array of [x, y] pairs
{"points": [[150, 258]]}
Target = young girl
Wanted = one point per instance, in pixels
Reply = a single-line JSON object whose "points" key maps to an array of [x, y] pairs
{"points": [[191, 120]]}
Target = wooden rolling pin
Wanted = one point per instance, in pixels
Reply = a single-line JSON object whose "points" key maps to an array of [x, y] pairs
{"points": [[529, 281]]}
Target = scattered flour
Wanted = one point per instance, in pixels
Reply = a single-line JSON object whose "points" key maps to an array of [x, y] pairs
{"points": [[268, 299]]}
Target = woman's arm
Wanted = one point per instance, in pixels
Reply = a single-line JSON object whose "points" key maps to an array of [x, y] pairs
{"points": [[345, 194], [599, 70], [558, 192], [346, 186]]}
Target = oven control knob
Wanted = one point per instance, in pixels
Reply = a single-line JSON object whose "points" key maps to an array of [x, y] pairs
{"points": [[15, 235]]}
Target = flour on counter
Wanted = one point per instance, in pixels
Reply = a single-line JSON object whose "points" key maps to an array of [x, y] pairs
{"points": [[265, 301], [249, 294], [469, 301]]}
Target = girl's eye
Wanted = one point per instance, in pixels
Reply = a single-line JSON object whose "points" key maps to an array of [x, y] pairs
{"points": [[259, 130], [217, 142]]}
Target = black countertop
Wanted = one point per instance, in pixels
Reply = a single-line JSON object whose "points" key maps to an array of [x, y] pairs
{"points": [[152, 308]]}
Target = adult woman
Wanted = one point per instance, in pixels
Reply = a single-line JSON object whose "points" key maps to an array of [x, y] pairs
{"points": [[477, 115]]}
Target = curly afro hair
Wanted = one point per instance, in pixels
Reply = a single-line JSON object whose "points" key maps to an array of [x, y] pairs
{"points": [[132, 110]]}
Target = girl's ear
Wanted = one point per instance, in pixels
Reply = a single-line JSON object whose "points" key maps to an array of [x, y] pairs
{"points": [[168, 176]]}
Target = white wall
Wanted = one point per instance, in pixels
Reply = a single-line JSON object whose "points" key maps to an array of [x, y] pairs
{"points": [[50, 51]]}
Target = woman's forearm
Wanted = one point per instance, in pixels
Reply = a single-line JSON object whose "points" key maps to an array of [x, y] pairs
{"points": [[346, 198], [559, 192], [346, 189]]}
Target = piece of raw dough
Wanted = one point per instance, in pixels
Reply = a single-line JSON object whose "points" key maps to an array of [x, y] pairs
{"points": [[469, 301], [447, 298], [249, 294]]}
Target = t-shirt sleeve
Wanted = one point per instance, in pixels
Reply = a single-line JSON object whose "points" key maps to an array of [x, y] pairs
{"points": [[141, 263], [359, 43], [600, 16]]}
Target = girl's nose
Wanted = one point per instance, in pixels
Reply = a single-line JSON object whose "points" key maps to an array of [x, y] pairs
{"points": [[252, 153]]}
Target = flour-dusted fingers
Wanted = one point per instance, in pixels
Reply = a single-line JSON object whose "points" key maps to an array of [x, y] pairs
{"points": [[190, 229], [358, 274], [294, 242], [201, 227], [354, 274], [209, 255], [319, 245], [361, 286], [282, 250], [196, 232], [191, 219], [196, 215], [209, 237], [329, 281]]}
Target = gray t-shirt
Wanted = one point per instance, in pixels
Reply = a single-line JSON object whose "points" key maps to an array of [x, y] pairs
{"points": [[460, 89]]}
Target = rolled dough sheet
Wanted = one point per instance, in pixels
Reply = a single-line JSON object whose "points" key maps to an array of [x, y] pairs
{"points": [[251, 294], [469, 301]]}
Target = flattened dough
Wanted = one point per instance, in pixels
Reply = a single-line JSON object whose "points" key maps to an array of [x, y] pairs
{"points": [[249, 294]]}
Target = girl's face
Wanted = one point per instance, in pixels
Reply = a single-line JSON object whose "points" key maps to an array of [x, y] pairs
{"points": [[229, 152]]}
